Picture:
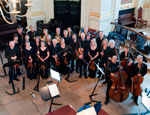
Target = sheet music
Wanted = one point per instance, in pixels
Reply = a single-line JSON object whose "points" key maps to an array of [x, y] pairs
{"points": [[53, 90], [55, 75], [146, 101], [89, 111]]}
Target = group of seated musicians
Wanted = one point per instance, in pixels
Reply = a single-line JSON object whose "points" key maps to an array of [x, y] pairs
{"points": [[40, 53]]}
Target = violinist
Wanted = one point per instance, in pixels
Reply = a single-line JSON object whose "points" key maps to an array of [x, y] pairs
{"points": [[83, 46], [112, 67], [73, 45], [58, 35], [43, 55], [10, 54], [63, 57], [139, 70], [103, 57], [93, 54], [18, 53], [29, 58], [55, 48]]}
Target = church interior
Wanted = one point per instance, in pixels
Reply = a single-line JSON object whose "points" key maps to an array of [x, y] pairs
{"points": [[74, 57]]}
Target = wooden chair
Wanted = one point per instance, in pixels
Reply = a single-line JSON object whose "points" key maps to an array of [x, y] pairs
{"points": [[140, 21]]}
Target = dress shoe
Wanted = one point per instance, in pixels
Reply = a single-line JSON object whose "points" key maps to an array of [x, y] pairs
{"points": [[80, 76], [77, 71], [106, 102], [9, 82], [105, 82], [85, 76], [17, 79]]}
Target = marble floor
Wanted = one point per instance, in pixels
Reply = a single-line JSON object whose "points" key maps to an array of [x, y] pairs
{"points": [[74, 94]]}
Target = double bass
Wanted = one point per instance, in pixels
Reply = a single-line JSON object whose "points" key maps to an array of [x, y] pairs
{"points": [[119, 91]]}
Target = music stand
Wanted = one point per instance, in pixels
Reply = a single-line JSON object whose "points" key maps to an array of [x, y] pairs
{"points": [[50, 92], [5, 74], [13, 88], [146, 102], [68, 76], [90, 96]]}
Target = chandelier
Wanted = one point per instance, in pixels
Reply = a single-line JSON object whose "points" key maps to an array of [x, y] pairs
{"points": [[13, 9]]}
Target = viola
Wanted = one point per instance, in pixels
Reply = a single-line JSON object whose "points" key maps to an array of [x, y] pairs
{"points": [[30, 65], [65, 60], [57, 61]]}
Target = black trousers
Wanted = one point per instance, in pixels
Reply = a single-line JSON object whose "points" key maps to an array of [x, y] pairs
{"points": [[84, 65], [73, 61], [12, 73], [109, 84]]}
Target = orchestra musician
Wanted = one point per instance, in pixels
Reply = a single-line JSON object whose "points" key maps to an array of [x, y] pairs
{"points": [[29, 59], [103, 57], [73, 45], [111, 50], [55, 48], [45, 34], [43, 55], [100, 39], [69, 32], [20, 35], [83, 47], [66, 38], [93, 53], [11, 55], [32, 33], [139, 71], [112, 67], [63, 57], [58, 35]]}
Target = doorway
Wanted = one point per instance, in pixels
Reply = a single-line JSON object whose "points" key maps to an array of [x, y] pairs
{"points": [[67, 12]]}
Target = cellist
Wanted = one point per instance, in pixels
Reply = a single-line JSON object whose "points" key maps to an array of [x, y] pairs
{"points": [[139, 69], [112, 67]]}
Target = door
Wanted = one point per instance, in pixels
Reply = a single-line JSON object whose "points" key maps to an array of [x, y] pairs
{"points": [[67, 12]]}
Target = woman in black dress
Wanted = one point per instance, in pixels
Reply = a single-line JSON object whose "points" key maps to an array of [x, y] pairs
{"points": [[93, 54], [43, 55], [103, 56], [63, 56], [29, 57]]}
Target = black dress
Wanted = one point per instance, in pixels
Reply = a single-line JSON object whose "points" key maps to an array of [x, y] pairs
{"points": [[44, 65], [30, 67], [93, 53]]}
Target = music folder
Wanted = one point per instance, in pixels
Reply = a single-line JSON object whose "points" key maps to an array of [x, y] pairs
{"points": [[89, 111], [55, 75]]}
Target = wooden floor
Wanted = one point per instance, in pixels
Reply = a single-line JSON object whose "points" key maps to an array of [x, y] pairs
{"points": [[74, 94]]}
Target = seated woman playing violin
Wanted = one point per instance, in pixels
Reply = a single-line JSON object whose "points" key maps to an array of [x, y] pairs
{"points": [[139, 70]]}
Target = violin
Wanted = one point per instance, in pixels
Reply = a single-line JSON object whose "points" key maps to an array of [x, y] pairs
{"points": [[30, 65], [65, 60], [92, 65], [57, 61]]}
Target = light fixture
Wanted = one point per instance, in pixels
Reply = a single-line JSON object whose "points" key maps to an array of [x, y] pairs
{"points": [[13, 9]]}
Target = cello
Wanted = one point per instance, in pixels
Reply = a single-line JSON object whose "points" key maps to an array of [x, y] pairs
{"points": [[118, 91], [136, 85]]}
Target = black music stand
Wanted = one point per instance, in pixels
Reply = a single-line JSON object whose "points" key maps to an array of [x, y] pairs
{"points": [[68, 76], [13, 88], [5, 74], [50, 92], [93, 92], [36, 88]]}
